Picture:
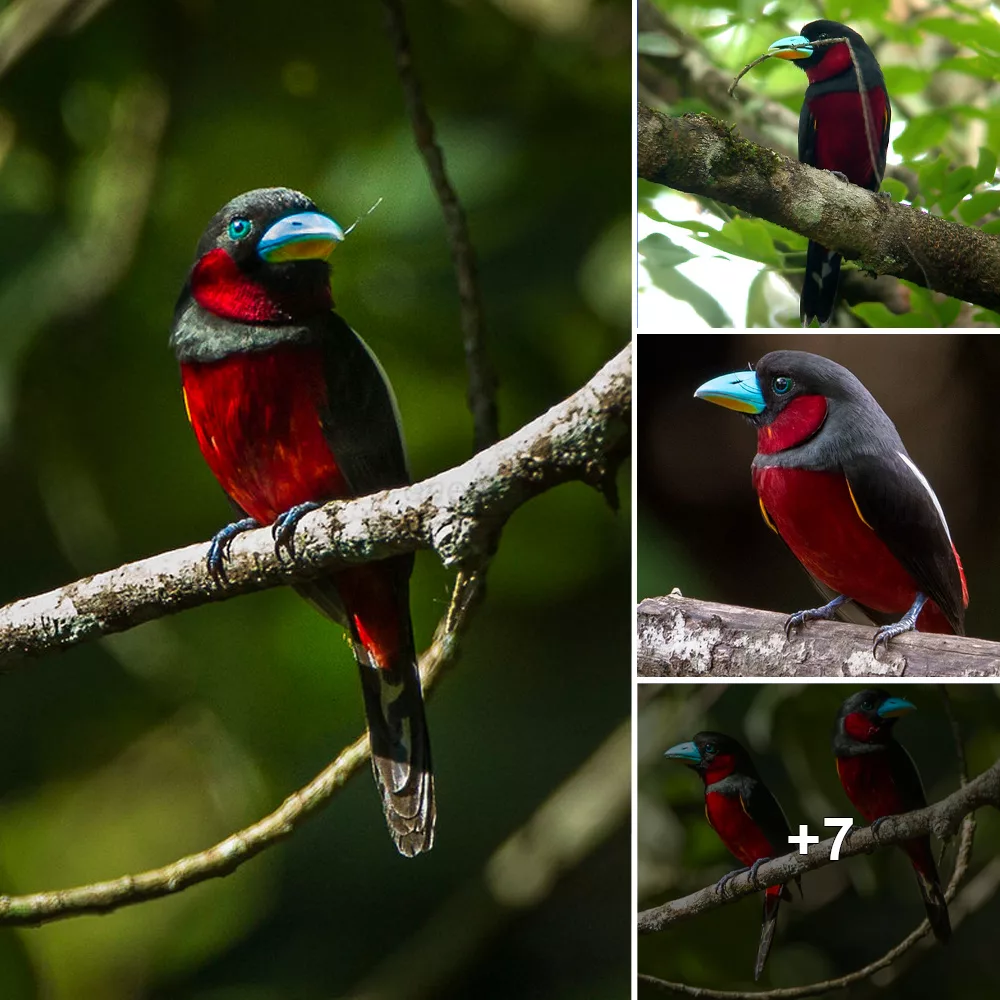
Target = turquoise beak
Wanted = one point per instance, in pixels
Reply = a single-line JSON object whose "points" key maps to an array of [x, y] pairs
{"points": [[305, 236], [684, 751], [737, 391], [792, 47], [892, 708]]}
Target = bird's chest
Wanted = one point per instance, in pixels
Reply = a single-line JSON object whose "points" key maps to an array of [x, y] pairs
{"points": [[840, 140], [257, 418], [815, 514], [868, 780], [736, 829]]}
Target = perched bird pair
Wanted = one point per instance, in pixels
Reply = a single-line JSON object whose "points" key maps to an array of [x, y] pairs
{"points": [[843, 127], [875, 771], [836, 483], [291, 409]]}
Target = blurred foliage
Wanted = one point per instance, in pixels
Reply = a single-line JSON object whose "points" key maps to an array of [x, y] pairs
{"points": [[941, 63], [699, 526], [848, 913], [118, 141]]}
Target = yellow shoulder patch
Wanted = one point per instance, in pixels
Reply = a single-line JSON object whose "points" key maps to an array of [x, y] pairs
{"points": [[187, 409], [767, 517], [856, 507]]}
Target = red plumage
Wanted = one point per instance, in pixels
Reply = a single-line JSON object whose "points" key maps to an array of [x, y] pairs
{"points": [[840, 140], [817, 517], [869, 782]]}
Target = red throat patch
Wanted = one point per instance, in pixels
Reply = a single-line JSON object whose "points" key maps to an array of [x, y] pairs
{"points": [[218, 285], [797, 422], [835, 60]]}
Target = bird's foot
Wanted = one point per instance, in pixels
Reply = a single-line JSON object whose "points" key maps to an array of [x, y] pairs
{"points": [[813, 614], [840, 176], [283, 529], [905, 624], [720, 886], [875, 825], [219, 547], [753, 869]]}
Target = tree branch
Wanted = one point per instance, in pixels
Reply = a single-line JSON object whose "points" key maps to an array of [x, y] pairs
{"points": [[482, 378], [942, 819], [703, 156], [682, 637], [455, 513]]}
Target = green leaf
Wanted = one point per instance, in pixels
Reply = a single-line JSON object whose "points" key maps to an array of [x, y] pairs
{"points": [[984, 67], [849, 11], [753, 240], [679, 286], [986, 168], [661, 251], [992, 227], [876, 314], [655, 43], [896, 190], [979, 205], [961, 180], [921, 134], [984, 34], [906, 79], [947, 310], [931, 176]]}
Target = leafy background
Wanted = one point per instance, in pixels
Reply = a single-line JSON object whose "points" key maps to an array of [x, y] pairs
{"points": [[699, 527], [118, 140], [704, 265], [850, 912]]}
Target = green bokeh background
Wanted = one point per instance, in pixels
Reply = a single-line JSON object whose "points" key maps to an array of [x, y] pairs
{"points": [[849, 913], [126, 754]]}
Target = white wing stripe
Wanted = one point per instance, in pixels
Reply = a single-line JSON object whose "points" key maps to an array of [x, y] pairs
{"points": [[927, 486]]}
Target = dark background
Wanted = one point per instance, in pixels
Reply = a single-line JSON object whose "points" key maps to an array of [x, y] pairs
{"points": [[125, 754], [849, 913], [699, 524]]}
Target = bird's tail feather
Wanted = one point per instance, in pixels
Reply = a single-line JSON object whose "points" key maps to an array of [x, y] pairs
{"points": [[770, 922], [819, 290], [935, 904], [401, 751]]}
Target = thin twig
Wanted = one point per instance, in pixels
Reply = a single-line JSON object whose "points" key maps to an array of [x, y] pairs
{"points": [[482, 378], [226, 856]]}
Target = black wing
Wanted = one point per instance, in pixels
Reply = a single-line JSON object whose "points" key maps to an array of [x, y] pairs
{"points": [[807, 135], [762, 807], [905, 777], [361, 423], [898, 504]]}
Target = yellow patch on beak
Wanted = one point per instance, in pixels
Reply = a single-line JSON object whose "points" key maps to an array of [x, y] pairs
{"points": [[791, 54], [308, 249], [731, 404]]}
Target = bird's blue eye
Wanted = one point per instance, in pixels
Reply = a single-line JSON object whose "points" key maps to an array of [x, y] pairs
{"points": [[781, 384], [709, 748], [239, 228]]}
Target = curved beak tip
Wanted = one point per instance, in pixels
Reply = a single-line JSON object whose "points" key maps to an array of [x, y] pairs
{"points": [[685, 752], [738, 391]]}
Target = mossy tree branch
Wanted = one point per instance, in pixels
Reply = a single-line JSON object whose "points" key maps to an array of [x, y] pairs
{"points": [[701, 155]]}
